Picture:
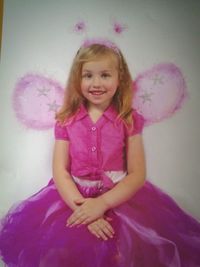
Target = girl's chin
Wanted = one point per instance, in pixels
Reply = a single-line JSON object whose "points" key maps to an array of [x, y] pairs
{"points": [[100, 104], [96, 98]]}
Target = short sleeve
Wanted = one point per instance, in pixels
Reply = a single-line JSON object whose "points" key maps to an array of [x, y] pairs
{"points": [[138, 124], [60, 132]]}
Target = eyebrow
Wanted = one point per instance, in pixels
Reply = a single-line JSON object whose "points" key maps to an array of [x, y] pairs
{"points": [[91, 70]]}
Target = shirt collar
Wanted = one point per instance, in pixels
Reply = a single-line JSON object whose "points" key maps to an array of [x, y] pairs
{"points": [[110, 113], [81, 113]]}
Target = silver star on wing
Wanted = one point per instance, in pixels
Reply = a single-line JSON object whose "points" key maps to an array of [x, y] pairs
{"points": [[53, 106], [43, 91], [146, 97], [157, 79]]}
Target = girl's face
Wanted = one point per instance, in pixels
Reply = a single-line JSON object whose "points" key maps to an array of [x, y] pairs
{"points": [[99, 81]]}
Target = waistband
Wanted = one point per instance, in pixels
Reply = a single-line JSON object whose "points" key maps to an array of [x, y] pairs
{"points": [[115, 177]]}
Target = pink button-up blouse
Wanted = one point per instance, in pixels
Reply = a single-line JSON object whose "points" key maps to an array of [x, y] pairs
{"points": [[95, 148]]}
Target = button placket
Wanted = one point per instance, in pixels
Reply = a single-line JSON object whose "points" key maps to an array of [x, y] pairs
{"points": [[93, 145]]}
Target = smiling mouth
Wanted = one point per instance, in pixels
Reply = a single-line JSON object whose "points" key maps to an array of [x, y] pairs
{"points": [[97, 92]]}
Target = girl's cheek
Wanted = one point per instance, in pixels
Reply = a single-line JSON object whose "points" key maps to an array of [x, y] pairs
{"points": [[83, 85]]}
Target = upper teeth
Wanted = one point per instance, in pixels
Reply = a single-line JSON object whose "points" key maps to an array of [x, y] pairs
{"points": [[96, 92]]}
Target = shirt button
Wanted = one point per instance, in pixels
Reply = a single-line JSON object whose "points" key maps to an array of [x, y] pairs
{"points": [[93, 129], [94, 148]]}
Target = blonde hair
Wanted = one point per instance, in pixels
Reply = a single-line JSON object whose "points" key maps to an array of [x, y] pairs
{"points": [[73, 97]]}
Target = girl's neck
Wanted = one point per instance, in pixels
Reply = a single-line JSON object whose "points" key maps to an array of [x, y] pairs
{"points": [[96, 108], [95, 111]]}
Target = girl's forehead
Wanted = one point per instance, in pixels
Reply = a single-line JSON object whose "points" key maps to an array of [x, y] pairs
{"points": [[104, 62]]}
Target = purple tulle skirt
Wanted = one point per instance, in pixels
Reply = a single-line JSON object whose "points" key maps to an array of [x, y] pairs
{"points": [[150, 231]]}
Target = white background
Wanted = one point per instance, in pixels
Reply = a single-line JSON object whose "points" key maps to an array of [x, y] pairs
{"points": [[38, 37]]}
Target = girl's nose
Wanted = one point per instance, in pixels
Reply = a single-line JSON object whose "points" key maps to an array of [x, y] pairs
{"points": [[96, 82]]}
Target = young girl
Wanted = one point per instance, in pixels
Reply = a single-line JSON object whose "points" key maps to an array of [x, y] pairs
{"points": [[98, 210]]}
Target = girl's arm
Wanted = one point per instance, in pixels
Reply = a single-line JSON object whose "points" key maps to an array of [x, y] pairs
{"points": [[91, 209], [62, 179], [135, 178]]}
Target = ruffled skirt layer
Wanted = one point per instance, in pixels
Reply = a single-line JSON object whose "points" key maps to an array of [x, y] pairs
{"points": [[151, 230]]}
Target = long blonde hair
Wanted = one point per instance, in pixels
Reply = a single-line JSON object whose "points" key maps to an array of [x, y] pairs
{"points": [[73, 97]]}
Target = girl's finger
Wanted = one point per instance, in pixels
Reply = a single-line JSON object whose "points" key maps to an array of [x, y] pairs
{"points": [[75, 216], [102, 234], [93, 231], [107, 232], [87, 221], [102, 231], [76, 221], [104, 224], [109, 227], [109, 219]]}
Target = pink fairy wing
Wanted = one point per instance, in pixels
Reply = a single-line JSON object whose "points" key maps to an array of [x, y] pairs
{"points": [[35, 101], [159, 92]]}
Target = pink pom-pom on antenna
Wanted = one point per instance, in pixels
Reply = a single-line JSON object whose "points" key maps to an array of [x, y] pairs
{"points": [[80, 27], [118, 28]]}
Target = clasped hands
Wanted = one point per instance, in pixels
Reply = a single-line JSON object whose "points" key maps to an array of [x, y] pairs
{"points": [[90, 212]]}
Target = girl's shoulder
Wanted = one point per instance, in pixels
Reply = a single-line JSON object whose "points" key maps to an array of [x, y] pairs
{"points": [[60, 131], [61, 128], [138, 123]]}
